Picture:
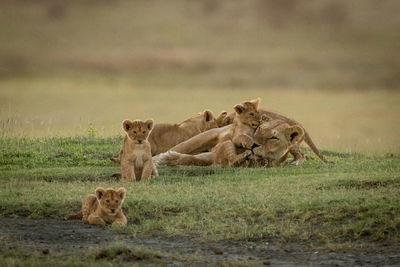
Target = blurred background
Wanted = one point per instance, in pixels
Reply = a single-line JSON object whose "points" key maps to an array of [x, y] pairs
{"points": [[74, 67]]}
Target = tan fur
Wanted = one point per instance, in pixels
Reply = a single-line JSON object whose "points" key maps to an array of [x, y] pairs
{"points": [[105, 206], [240, 132], [274, 138], [227, 140], [165, 135], [225, 119], [136, 160]]}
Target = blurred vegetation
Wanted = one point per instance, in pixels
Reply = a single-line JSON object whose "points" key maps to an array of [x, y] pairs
{"points": [[332, 44], [72, 67]]}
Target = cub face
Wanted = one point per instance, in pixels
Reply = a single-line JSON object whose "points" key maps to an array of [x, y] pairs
{"points": [[247, 113], [275, 138], [110, 200], [137, 130]]}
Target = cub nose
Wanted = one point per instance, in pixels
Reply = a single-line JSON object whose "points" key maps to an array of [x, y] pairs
{"points": [[255, 145], [112, 210], [140, 141]]}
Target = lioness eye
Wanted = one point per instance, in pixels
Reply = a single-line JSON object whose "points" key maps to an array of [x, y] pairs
{"points": [[108, 201], [134, 132], [251, 114], [116, 201], [144, 132]]}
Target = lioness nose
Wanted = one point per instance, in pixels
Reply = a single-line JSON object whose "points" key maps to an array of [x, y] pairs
{"points": [[140, 141], [112, 210]]}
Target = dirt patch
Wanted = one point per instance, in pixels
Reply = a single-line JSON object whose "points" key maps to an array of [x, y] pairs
{"points": [[74, 238]]}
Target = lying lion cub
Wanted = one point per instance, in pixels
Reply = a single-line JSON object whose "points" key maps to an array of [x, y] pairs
{"points": [[103, 207], [136, 160]]}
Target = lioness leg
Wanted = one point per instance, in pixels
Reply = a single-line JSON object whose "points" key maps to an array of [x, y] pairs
{"points": [[127, 170], [96, 220]]}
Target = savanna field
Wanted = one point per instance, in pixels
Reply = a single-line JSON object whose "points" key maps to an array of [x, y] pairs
{"points": [[70, 73]]}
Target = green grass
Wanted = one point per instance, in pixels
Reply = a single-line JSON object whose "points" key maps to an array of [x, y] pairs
{"points": [[355, 199]]}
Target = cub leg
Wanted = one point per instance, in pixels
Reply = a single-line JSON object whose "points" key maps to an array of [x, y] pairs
{"points": [[121, 220], [127, 170], [87, 204], [228, 150], [244, 141], [96, 220], [298, 155], [147, 169]]}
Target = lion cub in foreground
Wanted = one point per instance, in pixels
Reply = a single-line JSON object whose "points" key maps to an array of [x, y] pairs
{"points": [[136, 160], [103, 207]]}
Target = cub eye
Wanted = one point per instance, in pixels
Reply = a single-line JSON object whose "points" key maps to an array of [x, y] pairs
{"points": [[116, 201], [144, 132], [108, 201], [134, 132], [251, 114]]}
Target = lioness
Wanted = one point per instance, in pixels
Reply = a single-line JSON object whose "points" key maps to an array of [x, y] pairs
{"points": [[226, 119], [274, 139], [136, 160], [103, 207]]}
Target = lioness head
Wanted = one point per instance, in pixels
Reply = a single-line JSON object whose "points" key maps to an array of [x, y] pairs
{"points": [[137, 130], [275, 138], [247, 112], [110, 199]]}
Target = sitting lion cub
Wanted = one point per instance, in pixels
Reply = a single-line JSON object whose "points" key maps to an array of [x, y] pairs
{"points": [[136, 160], [103, 207]]}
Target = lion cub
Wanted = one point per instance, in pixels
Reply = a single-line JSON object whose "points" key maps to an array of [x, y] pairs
{"points": [[240, 136], [136, 160], [103, 207]]}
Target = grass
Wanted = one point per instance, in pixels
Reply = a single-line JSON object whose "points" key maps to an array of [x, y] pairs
{"points": [[356, 198], [113, 254]]}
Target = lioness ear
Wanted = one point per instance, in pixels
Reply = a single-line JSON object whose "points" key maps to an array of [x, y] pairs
{"points": [[149, 124], [100, 191], [256, 102], [208, 115], [122, 192], [265, 118], [127, 125], [294, 134], [239, 108]]}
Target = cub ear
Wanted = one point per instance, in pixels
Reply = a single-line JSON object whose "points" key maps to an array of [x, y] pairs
{"points": [[208, 115], [122, 192], [100, 191], [149, 124], [294, 134], [223, 114], [265, 118], [256, 102], [239, 108], [127, 125]]}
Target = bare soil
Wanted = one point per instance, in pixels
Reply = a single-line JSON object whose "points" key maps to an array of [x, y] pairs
{"points": [[58, 238]]}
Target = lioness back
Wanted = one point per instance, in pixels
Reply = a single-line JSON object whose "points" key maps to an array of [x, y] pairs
{"points": [[165, 136]]}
